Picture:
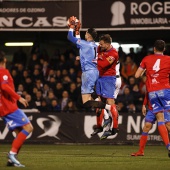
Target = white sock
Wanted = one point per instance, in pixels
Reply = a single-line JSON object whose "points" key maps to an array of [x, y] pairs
{"points": [[108, 107], [106, 115], [11, 152]]}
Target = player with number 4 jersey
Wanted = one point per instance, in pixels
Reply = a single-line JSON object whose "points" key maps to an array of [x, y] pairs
{"points": [[157, 68]]}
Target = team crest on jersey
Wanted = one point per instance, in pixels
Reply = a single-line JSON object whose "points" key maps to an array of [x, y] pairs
{"points": [[23, 119], [111, 58], [5, 77]]}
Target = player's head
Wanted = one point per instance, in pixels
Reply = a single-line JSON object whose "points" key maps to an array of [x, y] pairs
{"points": [[2, 57], [159, 46], [91, 34], [105, 42]]}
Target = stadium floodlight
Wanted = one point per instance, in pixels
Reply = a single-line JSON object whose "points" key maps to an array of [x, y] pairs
{"points": [[10, 44], [129, 45]]}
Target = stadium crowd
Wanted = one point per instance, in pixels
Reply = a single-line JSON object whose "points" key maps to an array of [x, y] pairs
{"points": [[53, 83]]}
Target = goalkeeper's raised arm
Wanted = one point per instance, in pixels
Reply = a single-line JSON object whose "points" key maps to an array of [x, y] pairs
{"points": [[74, 25]]}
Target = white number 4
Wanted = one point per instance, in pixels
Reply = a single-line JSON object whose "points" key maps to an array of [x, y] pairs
{"points": [[156, 66]]}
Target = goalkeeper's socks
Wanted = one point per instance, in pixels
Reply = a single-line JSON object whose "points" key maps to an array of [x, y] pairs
{"points": [[19, 140], [143, 140], [99, 118], [163, 132]]}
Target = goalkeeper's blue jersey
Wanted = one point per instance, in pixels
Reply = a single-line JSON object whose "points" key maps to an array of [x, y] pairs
{"points": [[87, 52]]}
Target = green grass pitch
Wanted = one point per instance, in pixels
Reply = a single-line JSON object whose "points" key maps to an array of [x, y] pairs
{"points": [[87, 157]]}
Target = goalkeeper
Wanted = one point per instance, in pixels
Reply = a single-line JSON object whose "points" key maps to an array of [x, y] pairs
{"points": [[88, 60]]}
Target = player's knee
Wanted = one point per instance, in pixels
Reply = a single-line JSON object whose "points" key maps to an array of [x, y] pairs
{"points": [[147, 127], [29, 128]]}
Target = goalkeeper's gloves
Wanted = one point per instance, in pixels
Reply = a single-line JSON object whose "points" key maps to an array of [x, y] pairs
{"points": [[71, 22]]}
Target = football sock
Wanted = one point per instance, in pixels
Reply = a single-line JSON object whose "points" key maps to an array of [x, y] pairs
{"points": [[143, 140], [106, 114], [115, 116], [18, 141], [99, 118], [163, 132]]}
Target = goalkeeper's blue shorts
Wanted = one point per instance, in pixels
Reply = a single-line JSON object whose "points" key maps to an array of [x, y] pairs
{"points": [[89, 79]]}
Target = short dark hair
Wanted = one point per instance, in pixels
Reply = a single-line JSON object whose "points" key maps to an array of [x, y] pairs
{"points": [[106, 38], [92, 32], [159, 45], [2, 56]]}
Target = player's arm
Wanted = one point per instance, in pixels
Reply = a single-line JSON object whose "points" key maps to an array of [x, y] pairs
{"points": [[145, 101], [106, 62], [73, 24], [71, 37], [5, 87], [139, 72]]}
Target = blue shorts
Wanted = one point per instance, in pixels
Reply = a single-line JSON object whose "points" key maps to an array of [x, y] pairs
{"points": [[89, 79], [16, 119], [150, 117], [160, 100], [167, 116], [105, 86]]}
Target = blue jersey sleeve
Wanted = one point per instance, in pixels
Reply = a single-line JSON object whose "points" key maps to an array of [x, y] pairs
{"points": [[71, 38]]}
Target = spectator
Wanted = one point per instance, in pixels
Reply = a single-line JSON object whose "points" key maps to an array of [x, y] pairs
{"points": [[44, 107], [138, 98], [45, 90], [58, 90], [37, 75], [50, 97], [33, 61], [28, 85], [52, 82], [64, 100], [39, 84], [70, 107], [51, 74], [15, 77], [31, 103], [38, 98], [123, 86], [126, 101], [132, 54], [142, 85], [54, 105], [122, 55], [20, 70], [45, 69], [58, 75], [72, 74], [73, 92], [131, 82], [20, 89], [128, 68]]}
